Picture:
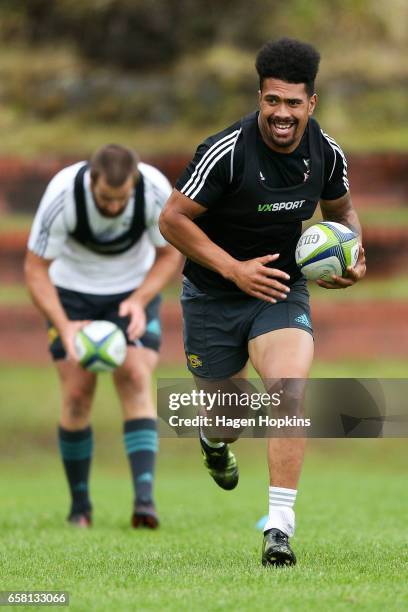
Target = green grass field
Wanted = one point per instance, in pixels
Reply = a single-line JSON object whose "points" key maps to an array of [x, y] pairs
{"points": [[351, 513], [351, 553]]}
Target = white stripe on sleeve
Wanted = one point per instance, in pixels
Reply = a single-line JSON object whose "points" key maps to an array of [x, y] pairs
{"points": [[193, 194], [335, 147], [216, 151], [232, 156]]}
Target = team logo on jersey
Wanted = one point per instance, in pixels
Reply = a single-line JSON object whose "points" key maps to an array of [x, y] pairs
{"points": [[276, 206], [306, 173], [194, 360]]}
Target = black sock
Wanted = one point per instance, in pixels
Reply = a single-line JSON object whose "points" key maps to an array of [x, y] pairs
{"points": [[140, 436], [76, 451]]}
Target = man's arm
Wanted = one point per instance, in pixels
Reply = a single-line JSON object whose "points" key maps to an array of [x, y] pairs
{"points": [[167, 263], [45, 297], [47, 238], [252, 276], [342, 211]]}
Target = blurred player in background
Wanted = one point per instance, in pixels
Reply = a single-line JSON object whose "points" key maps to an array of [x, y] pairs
{"points": [[95, 252], [237, 213]]}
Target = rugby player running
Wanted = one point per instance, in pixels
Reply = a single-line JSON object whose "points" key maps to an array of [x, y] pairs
{"points": [[236, 214]]}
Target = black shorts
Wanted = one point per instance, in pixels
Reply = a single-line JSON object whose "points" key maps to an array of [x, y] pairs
{"points": [[83, 306], [217, 329]]}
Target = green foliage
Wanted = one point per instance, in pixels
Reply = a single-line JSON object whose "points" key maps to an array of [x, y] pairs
{"points": [[139, 34], [135, 33], [183, 65]]}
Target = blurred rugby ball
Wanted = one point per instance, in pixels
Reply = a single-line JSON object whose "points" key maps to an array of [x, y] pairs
{"points": [[100, 346], [326, 248]]}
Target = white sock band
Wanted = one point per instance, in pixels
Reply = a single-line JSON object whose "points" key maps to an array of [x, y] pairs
{"points": [[278, 496], [281, 514]]}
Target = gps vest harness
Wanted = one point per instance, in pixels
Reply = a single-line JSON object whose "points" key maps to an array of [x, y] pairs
{"points": [[83, 232]]}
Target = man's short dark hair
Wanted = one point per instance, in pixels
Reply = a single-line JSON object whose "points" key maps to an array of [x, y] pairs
{"points": [[288, 60], [115, 162]]}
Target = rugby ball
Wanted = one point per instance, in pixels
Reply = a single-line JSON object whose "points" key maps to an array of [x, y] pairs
{"points": [[100, 346], [325, 249]]}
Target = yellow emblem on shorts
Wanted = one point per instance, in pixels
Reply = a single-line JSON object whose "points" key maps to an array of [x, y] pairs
{"points": [[52, 334], [194, 360]]}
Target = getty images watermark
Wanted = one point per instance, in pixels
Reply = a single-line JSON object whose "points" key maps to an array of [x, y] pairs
{"points": [[317, 408], [226, 402]]}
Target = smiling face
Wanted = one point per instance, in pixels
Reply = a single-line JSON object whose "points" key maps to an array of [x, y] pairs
{"points": [[285, 109], [111, 201]]}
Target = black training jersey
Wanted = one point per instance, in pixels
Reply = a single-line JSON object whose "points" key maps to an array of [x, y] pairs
{"points": [[256, 198]]}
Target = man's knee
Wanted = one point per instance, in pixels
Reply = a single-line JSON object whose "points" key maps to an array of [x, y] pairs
{"points": [[78, 400], [136, 376]]}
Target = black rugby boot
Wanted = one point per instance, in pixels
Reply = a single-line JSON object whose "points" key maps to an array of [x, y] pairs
{"points": [[276, 550]]}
